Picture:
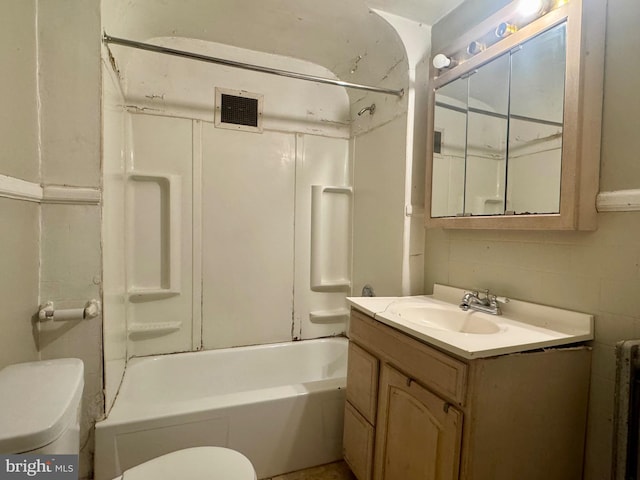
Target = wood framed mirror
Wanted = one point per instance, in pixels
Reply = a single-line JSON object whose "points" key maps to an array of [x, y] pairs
{"points": [[515, 119]]}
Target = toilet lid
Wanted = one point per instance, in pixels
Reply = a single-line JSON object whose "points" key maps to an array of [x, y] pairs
{"points": [[198, 463], [38, 402]]}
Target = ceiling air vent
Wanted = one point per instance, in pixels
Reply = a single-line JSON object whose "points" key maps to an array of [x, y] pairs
{"points": [[238, 110]]}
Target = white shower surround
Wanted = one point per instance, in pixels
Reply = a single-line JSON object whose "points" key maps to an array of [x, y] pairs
{"points": [[317, 134], [241, 204]]}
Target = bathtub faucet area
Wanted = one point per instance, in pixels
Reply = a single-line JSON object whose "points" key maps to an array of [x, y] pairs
{"points": [[371, 109]]}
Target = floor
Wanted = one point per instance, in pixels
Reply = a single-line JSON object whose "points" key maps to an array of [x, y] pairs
{"points": [[331, 471]]}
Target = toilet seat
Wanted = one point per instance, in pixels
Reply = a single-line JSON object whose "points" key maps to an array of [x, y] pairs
{"points": [[198, 463]]}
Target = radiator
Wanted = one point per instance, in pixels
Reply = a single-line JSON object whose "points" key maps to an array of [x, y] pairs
{"points": [[626, 427]]}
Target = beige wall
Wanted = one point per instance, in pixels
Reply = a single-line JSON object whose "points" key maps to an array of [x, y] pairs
{"points": [[71, 274], [465, 16], [595, 272], [19, 250], [19, 112], [50, 123], [70, 264], [19, 257], [379, 163], [620, 139], [69, 56]]}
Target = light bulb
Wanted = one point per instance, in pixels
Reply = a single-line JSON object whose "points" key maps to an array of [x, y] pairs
{"points": [[475, 47], [505, 29], [529, 8], [441, 61]]}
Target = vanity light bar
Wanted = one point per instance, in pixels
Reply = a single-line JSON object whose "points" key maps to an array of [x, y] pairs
{"points": [[526, 12], [531, 8]]}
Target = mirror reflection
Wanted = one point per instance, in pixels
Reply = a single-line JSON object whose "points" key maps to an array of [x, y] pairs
{"points": [[449, 150], [498, 133], [486, 163], [535, 123]]}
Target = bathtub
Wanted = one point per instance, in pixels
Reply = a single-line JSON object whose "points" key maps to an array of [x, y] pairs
{"points": [[281, 405]]}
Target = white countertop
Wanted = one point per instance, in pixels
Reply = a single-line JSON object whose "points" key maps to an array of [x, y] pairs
{"points": [[522, 326]]}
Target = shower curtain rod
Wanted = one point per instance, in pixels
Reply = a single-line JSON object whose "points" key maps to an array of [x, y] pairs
{"points": [[246, 66]]}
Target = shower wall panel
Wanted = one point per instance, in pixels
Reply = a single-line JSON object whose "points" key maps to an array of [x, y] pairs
{"points": [[159, 235], [248, 230], [257, 228], [114, 314], [322, 162]]}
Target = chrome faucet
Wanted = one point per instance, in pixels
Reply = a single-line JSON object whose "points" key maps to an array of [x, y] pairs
{"points": [[488, 304]]}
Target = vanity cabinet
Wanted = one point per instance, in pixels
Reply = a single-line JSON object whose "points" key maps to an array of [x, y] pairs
{"points": [[416, 412]]}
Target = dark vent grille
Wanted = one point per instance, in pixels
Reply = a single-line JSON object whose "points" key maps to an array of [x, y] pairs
{"points": [[239, 110], [437, 142]]}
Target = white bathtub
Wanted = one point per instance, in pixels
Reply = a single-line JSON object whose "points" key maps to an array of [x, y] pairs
{"points": [[281, 405]]}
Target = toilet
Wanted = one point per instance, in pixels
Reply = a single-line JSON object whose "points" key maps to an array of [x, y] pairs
{"points": [[197, 463], [40, 414], [40, 407]]}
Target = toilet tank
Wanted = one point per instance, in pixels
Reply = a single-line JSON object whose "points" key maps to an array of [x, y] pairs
{"points": [[40, 407]]}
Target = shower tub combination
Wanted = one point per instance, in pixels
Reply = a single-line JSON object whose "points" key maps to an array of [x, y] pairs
{"points": [[281, 405]]}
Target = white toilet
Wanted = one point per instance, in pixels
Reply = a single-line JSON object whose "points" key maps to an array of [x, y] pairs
{"points": [[197, 463], [40, 413]]}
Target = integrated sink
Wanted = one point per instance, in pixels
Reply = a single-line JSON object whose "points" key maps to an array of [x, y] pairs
{"points": [[444, 318], [438, 320]]}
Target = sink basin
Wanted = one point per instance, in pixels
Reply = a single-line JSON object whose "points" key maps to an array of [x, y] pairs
{"points": [[438, 321], [442, 318]]}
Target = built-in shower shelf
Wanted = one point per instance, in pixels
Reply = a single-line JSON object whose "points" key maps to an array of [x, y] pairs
{"points": [[331, 286], [155, 328], [138, 295], [329, 316], [330, 217], [155, 228]]}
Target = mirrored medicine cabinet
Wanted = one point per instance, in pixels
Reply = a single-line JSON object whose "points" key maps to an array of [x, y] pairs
{"points": [[515, 113]]}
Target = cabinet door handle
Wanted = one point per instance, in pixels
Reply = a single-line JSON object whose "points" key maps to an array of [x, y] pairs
{"points": [[446, 407], [409, 380]]}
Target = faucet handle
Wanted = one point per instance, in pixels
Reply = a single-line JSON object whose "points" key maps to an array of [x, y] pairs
{"points": [[495, 298], [477, 291]]}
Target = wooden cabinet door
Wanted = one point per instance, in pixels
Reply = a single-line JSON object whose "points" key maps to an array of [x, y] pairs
{"points": [[418, 435], [362, 382], [357, 443]]}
